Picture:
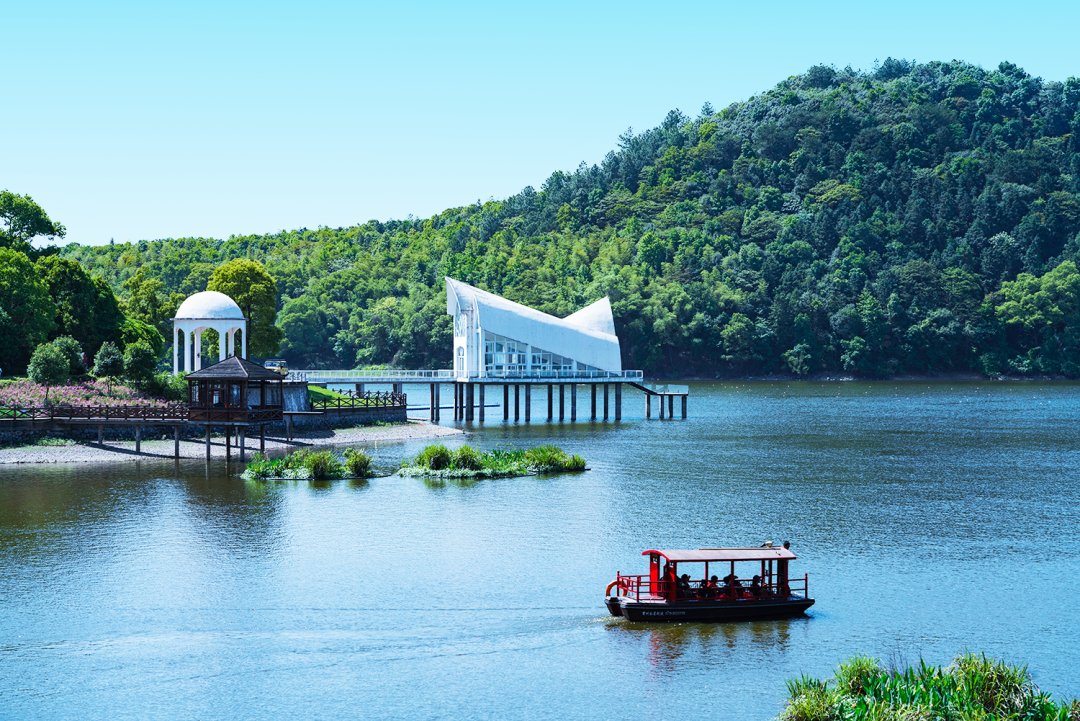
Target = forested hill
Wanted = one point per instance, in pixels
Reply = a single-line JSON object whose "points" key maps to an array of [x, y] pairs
{"points": [[913, 218]]}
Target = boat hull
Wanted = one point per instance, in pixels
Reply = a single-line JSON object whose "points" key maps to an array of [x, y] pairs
{"points": [[739, 610]]}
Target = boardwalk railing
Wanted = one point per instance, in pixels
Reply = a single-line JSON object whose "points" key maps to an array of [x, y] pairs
{"points": [[407, 376], [364, 399], [172, 413]]}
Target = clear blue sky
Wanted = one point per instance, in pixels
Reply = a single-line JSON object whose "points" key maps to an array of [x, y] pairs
{"points": [[152, 120]]}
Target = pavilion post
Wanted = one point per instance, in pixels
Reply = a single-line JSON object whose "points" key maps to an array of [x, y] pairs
{"points": [[176, 441], [648, 406], [684, 406], [101, 434], [573, 402], [593, 416], [207, 441], [605, 401], [262, 438], [618, 401], [138, 438], [670, 407], [480, 411], [228, 442], [241, 442], [528, 402]]}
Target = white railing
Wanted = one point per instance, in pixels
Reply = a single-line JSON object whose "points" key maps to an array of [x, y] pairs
{"points": [[410, 376]]}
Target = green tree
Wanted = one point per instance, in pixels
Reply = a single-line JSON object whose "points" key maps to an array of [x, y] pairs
{"points": [[22, 220], [108, 363], [73, 352], [145, 300], [140, 362], [86, 308], [254, 290], [135, 331], [28, 310], [48, 367]]}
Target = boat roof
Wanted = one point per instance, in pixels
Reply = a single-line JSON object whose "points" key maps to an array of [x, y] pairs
{"points": [[762, 553]]}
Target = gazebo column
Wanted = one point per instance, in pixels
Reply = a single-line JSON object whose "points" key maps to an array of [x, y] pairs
{"points": [[198, 350], [187, 350], [223, 344], [175, 351], [243, 339]]}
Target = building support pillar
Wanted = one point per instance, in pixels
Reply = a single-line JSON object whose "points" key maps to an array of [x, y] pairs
{"points": [[573, 402], [648, 406], [517, 402], [661, 399], [359, 388], [605, 401], [470, 401], [618, 401], [528, 402], [481, 409], [431, 402], [670, 407], [550, 400], [593, 416], [506, 401], [456, 384], [684, 406], [562, 401]]}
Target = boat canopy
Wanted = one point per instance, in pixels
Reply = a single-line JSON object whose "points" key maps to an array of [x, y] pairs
{"points": [[726, 554]]}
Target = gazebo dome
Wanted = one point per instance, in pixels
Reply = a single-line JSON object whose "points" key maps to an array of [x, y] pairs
{"points": [[208, 305]]}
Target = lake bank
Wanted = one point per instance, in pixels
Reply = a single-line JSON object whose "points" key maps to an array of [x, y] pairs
{"points": [[87, 452]]}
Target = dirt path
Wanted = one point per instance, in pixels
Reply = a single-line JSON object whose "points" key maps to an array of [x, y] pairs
{"points": [[86, 451]]}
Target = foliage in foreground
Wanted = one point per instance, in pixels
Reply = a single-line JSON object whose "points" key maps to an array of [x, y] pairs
{"points": [[438, 461], [305, 464], [973, 687]]}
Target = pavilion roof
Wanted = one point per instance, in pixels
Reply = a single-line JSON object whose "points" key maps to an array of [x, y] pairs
{"points": [[235, 368]]}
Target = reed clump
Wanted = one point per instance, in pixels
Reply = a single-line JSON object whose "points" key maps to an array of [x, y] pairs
{"points": [[973, 687], [306, 464], [437, 461]]}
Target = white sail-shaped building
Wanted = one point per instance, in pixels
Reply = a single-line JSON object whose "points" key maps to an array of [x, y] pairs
{"points": [[498, 338]]}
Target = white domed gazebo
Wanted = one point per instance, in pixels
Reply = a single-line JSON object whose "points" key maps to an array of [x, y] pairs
{"points": [[208, 310]]}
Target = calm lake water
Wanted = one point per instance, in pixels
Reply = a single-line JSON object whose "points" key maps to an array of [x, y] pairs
{"points": [[931, 517]]}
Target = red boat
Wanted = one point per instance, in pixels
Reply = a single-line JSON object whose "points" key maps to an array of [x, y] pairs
{"points": [[665, 595]]}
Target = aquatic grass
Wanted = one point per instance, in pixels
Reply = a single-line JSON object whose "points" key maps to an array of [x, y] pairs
{"points": [[973, 688], [436, 461], [306, 464]]}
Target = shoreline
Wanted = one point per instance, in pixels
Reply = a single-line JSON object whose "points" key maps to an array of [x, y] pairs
{"points": [[195, 448], [951, 377]]}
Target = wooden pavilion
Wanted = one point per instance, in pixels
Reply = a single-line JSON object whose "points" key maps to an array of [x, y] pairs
{"points": [[234, 393]]}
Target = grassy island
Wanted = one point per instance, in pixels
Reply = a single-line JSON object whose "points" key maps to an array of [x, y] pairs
{"points": [[973, 687], [438, 461], [305, 464]]}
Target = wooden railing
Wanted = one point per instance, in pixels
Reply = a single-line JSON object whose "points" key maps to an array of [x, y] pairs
{"points": [[362, 400], [172, 413]]}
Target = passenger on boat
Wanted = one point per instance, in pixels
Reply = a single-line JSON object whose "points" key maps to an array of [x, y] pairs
{"points": [[683, 586], [755, 586], [711, 587]]}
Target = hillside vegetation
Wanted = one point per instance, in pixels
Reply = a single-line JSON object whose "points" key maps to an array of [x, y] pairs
{"points": [[914, 218]]}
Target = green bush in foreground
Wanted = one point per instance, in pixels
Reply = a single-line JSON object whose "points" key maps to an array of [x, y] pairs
{"points": [[467, 462], [974, 687]]}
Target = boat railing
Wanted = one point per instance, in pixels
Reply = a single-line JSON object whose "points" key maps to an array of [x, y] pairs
{"points": [[643, 586]]}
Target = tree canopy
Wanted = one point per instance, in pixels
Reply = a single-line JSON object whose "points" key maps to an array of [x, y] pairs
{"points": [[22, 220], [873, 223]]}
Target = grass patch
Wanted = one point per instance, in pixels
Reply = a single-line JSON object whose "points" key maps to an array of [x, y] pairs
{"points": [[306, 464], [438, 461], [973, 687], [317, 393]]}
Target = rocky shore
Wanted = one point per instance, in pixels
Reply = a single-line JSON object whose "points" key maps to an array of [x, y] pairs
{"points": [[195, 447]]}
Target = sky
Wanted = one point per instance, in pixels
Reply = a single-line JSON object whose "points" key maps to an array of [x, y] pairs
{"points": [[133, 121]]}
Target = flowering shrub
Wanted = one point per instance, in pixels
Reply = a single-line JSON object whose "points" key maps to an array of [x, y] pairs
{"points": [[24, 394]]}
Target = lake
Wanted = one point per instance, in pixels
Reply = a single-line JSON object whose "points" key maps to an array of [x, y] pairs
{"points": [[930, 517]]}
